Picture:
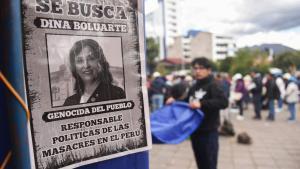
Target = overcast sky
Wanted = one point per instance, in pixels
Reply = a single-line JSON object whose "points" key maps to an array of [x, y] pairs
{"points": [[249, 21]]}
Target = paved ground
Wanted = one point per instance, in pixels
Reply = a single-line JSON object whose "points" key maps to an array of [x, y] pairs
{"points": [[276, 145]]}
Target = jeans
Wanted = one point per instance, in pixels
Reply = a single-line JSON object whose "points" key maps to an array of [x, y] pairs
{"points": [[257, 102], [271, 110], [280, 103], [206, 147], [240, 106], [292, 109], [157, 101]]}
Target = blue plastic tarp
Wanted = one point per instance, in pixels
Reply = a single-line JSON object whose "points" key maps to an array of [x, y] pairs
{"points": [[174, 123]]}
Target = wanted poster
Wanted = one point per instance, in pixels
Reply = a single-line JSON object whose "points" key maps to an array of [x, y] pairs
{"points": [[84, 68]]}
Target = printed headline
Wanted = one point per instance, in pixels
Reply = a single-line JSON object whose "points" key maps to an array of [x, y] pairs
{"points": [[86, 111], [84, 10]]}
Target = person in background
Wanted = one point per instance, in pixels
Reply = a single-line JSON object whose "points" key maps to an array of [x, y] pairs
{"points": [[240, 90], [224, 82], [256, 90], [298, 82], [247, 98], [179, 91], [272, 94], [281, 86], [149, 82], [291, 95], [158, 90], [189, 80]]}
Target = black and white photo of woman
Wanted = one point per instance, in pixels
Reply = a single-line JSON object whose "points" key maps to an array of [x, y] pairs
{"points": [[93, 79]]}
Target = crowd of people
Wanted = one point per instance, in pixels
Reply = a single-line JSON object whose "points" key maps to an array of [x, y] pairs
{"points": [[270, 91], [213, 93]]}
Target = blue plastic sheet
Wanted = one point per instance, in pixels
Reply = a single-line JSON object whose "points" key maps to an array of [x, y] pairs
{"points": [[174, 123]]}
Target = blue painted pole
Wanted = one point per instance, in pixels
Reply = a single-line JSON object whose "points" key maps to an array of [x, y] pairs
{"points": [[5, 141], [12, 68]]}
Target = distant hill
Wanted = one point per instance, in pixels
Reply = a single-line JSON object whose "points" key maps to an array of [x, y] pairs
{"points": [[277, 48]]}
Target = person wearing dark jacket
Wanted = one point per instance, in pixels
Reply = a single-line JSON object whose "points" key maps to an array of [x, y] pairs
{"points": [[101, 93], [241, 89], [256, 90], [272, 94], [207, 96], [157, 91]]}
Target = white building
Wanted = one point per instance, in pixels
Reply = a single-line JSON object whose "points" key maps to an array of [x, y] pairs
{"points": [[202, 44], [223, 46], [162, 18]]}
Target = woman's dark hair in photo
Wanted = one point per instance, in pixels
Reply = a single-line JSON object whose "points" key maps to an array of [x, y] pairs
{"points": [[104, 75]]}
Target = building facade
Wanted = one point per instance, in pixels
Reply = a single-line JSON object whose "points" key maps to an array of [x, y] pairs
{"points": [[202, 44], [223, 46], [162, 23]]}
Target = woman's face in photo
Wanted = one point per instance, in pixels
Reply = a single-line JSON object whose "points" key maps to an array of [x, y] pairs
{"points": [[87, 65]]}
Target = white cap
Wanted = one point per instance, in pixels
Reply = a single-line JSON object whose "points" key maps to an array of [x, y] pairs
{"points": [[275, 71], [237, 76], [287, 76], [247, 78], [188, 78], [156, 74]]}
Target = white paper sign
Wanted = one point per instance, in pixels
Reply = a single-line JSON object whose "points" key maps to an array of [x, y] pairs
{"points": [[85, 80]]}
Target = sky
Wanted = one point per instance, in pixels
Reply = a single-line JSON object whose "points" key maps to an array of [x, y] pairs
{"points": [[251, 22]]}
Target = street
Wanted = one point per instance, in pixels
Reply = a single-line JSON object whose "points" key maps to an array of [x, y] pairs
{"points": [[276, 145]]}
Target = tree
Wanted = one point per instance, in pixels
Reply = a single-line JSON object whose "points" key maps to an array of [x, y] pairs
{"points": [[288, 61], [152, 51], [247, 60], [225, 64]]}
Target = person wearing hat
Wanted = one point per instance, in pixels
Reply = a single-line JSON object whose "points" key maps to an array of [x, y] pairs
{"points": [[240, 91], [291, 95]]}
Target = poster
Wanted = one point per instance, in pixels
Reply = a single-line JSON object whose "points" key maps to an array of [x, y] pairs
{"points": [[84, 68]]}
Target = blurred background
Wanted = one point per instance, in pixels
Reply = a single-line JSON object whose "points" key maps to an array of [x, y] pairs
{"points": [[239, 37], [231, 32]]}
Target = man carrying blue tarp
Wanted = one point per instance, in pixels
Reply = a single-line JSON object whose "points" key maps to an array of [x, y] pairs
{"points": [[207, 96]]}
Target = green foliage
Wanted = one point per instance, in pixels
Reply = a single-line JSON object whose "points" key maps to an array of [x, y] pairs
{"points": [[152, 51], [245, 61], [214, 66], [225, 64], [162, 69], [288, 61]]}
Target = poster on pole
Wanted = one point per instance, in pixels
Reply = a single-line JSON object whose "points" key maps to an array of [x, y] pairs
{"points": [[84, 67]]}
